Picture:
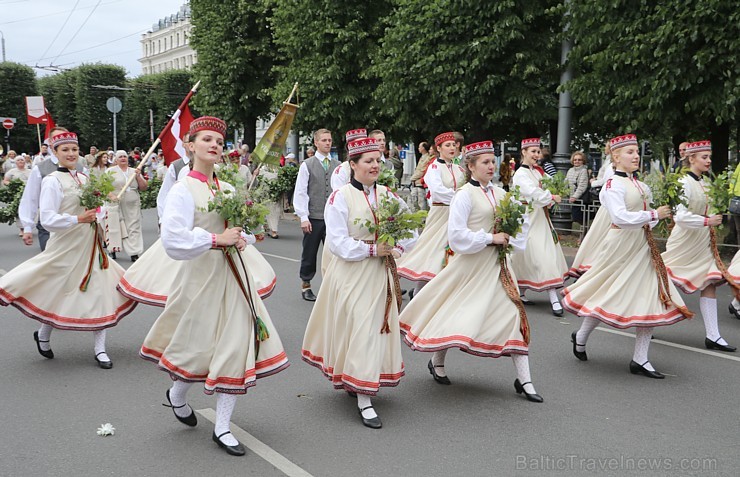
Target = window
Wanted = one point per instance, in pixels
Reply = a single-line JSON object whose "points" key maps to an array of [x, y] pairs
{"points": [[146, 50], [165, 43], [159, 46], [177, 37], [177, 63]]}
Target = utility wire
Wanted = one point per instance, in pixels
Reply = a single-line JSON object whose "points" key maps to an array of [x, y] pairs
{"points": [[78, 30], [60, 30]]}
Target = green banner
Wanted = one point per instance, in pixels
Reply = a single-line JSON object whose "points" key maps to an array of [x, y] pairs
{"points": [[271, 145]]}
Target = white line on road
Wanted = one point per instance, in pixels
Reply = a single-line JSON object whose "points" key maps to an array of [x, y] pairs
{"points": [[676, 345], [280, 257], [260, 448]]}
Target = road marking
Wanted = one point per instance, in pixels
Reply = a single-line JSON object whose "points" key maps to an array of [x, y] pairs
{"points": [[280, 257], [260, 448], [676, 345]]}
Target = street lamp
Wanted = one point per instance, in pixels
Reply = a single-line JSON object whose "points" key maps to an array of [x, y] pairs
{"points": [[2, 36]]}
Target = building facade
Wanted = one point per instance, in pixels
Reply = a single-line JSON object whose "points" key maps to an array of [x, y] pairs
{"points": [[167, 46]]}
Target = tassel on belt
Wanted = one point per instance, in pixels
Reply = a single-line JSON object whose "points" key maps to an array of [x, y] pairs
{"points": [[102, 256], [513, 293], [663, 284], [721, 265], [392, 284]]}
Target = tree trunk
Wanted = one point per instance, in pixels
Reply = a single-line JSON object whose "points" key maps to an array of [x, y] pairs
{"points": [[719, 134], [250, 132]]}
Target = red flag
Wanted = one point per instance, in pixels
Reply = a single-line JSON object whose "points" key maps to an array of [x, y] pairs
{"points": [[50, 124], [172, 136]]}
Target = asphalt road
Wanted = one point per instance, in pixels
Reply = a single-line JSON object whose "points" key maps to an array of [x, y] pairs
{"points": [[596, 417]]}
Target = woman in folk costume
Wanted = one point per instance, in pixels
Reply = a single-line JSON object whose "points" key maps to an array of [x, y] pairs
{"points": [[627, 286], [691, 255], [124, 215], [214, 328], [593, 242], [542, 265], [473, 304], [432, 253], [352, 335], [71, 285]]}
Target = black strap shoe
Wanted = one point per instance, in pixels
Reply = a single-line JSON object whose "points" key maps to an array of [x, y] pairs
{"points": [[519, 388], [641, 369], [373, 423], [236, 450], [49, 354], [734, 312], [437, 377], [578, 354], [190, 420], [134, 258], [715, 345], [103, 364], [308, 294]]}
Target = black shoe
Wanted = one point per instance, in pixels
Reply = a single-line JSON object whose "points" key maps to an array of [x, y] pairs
{"points": [[373, 423], [237, 450], [46, 354], [556, 312], [113, 255], [190, 420], [519, 388], [578, 354], [437, 377], [714, 345], [734, 312], [134, 258], [103, 364], [640, 369], [308, 294], [412, 292], [403, 291], [351, 393]]}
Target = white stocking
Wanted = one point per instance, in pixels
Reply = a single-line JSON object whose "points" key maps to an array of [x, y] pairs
{"points": [[100, 345], [178, 393], [438, 359], [224, 409], [708, 308], [642, 344], [44, 335], [521, 363], [363, 401], [589, 324], [553, 293]]}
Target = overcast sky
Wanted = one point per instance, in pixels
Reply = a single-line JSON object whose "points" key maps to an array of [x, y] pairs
{"points": [[53, 32]]}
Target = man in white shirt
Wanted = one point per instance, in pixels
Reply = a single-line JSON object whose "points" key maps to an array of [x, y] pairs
{"points": [[379, 137], [312, 190], [42, 156]]}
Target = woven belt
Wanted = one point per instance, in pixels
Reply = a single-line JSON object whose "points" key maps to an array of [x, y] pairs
{"points": [[440, 204]]}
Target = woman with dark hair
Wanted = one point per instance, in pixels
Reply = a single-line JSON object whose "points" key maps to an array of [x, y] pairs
{"points": [[70, 285], [352, 335], [214, 328]]}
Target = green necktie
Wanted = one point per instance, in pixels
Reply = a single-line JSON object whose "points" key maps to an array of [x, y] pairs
{"points": [[325, 163]]}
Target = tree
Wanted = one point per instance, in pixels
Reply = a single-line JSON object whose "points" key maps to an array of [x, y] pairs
{"points": [[661, 69], [328, 48], [59, 97], [235, 59], [94, 121], [489, 70], [18, 81]]}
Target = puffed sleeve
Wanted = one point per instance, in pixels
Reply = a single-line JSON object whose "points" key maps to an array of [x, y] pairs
{"points": [[437, 189], [461, 238], [49, 203], [180, 239], [339, 177], [685, 217], [341, 244], [613, 195], [530, 189], [29, 204]]}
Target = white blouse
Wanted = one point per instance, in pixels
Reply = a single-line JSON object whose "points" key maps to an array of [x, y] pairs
{"points": [[341, 244], [613, 197], [465, 241], [180, 238], [433, 179], [529, 185], [50, 201], [684, 216]]}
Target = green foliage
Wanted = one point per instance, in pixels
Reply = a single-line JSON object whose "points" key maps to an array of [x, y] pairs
{"points": [[394, 222], [238, 210], [17, 81], [328, 48], [59, 96], [235, 60], [230, 173], [387, 177], [557, 184], [509, 217], [149, 196], [285, 182], [666, 189], [720, 192], [488, 69], [10, 195], [93, 120], [95, 191]]}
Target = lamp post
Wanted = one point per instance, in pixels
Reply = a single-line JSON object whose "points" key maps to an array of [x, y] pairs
{"points": [[2, 39]]}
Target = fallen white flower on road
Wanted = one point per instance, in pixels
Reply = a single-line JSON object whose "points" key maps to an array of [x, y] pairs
{"points": [[106, 429]]}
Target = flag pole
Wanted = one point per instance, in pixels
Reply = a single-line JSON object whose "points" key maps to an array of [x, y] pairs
{"points": [[38, 133], [158, 140]]}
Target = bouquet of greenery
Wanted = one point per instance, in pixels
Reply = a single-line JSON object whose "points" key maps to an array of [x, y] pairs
{"points": [[557, 184], [230, 173], [285, 182], [149, 196], [10, 195], [666, 189], [387, 178], [239, 210], [509, 218], [719, 192], [95, 191], [395, 222]]}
